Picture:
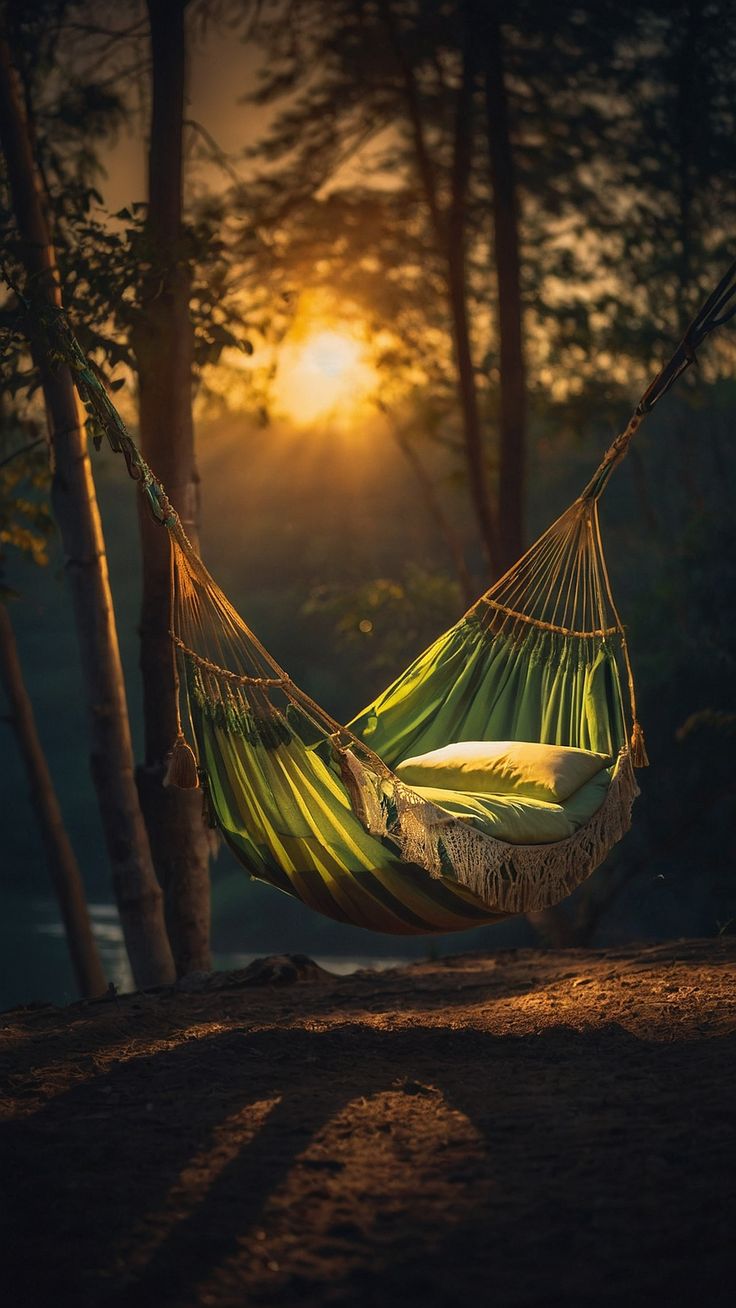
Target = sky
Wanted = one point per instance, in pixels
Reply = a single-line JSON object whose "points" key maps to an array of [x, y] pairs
{"points": [[222, 70]]}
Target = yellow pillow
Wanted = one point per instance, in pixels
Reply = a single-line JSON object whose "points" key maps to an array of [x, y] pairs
{"points": [[505, 767]]}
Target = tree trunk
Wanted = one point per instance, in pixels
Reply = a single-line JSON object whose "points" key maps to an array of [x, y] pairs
{"points": [[62, 864], [505, 208], [163, 344], [75, 506], [435, 509], [552, 924], [458, 292], [450, 233]]}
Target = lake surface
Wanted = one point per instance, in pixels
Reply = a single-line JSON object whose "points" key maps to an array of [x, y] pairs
{"points": [[35, 961]]}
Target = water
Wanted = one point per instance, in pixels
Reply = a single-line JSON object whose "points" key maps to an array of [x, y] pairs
{"points": [[35, 962], [109, 936]]}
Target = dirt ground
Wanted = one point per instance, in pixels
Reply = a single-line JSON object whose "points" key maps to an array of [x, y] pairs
{"points": [[524, 1129]]}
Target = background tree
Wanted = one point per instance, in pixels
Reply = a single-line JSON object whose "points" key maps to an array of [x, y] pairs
{"points": [[25, 525], [162, 284], [613, 222], [163, 344], [567, 197], [461, 184], [137, 892], [147, 292]]}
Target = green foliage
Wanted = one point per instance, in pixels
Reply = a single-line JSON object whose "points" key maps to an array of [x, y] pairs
{"points": [[623, 120], [25, 519], [109, 266], [385, 622], [106, 271], [684, 632]]}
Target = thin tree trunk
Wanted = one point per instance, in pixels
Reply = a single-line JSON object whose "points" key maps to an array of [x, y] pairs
{"points": [[456, 251], [62, 864], [505, 209], [75, 507], [450, 232], [551, 924], [436, 511], [163, 344]]}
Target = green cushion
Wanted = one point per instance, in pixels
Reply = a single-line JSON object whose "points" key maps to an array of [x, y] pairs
{"points": [[586, 801], [514, 818], [519, 820], [551, 773]]}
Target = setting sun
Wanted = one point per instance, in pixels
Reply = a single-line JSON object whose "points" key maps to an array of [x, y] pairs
{"points": [[325, 372], [330, 354]]}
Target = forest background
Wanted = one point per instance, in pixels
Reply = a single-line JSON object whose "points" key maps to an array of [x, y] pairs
{"points": [[420, 310]]}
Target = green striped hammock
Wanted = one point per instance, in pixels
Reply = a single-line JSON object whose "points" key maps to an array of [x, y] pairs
{"points": [[314, 807]]}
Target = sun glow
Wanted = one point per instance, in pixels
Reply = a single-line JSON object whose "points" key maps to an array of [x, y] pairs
{"points": [[325, 372]]}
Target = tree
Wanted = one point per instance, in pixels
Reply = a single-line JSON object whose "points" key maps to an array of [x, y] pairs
{"points": [[137, 892], [348, 44], [512, 434], [545, 248], [25, 526], [444, 159], [61, 860], [148, 292], [163, 344]]}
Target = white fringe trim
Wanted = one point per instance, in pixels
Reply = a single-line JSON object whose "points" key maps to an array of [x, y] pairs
{"points": [[507, 878]]}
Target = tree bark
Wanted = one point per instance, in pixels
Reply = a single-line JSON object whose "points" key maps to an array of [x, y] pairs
{"points": [[450, 232], [137, 892], [505, 212], [163, 343], [62, 864], [552, 925], [456, 253]]}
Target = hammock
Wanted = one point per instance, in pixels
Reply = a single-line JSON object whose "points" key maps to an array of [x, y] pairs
{"points": [[314, 807]]}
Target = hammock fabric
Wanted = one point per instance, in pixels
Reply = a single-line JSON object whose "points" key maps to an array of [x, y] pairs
{"points": [[314, 807]]}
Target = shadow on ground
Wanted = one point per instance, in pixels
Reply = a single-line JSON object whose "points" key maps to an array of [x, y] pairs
{"points": [[373, 1161]]}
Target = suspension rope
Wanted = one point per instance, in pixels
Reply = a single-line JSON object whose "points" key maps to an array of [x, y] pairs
{"points": [[559, 586], [718, 309]]}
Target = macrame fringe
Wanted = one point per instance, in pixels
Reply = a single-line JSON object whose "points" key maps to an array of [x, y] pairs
{"points": [[181, 769], [512, 878], [364, 789], [639, 756]]}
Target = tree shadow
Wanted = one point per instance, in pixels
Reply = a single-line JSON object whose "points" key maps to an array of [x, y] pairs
{"points": [[579, 1161]]}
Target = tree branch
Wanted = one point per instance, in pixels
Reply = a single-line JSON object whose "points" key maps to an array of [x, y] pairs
{"points": [[413, 104], [24, 449]]}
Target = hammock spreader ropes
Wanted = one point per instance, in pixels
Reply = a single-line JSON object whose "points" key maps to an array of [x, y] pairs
{"points": [[315, 807]]}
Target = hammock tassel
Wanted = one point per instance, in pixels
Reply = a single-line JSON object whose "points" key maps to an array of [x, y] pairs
{"points": [[638, 748], [181, 770]]}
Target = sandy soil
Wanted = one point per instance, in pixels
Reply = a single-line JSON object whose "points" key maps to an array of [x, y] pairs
{"points": [[527, 1129]]}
